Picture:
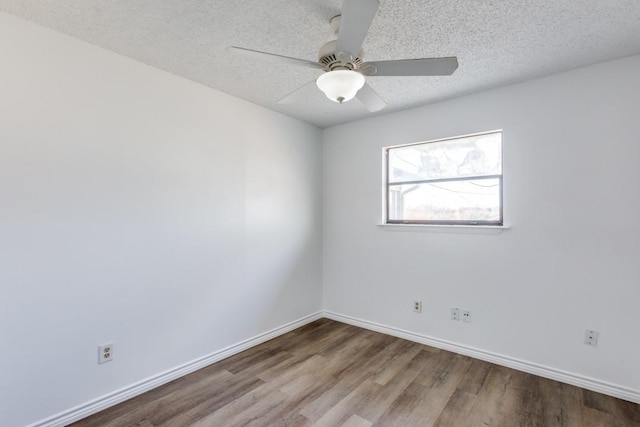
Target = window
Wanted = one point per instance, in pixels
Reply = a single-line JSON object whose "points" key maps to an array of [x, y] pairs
{"points": [[455, 181]]}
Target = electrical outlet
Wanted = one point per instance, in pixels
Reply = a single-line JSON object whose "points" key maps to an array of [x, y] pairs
{"points": [[455, 313], [105, 353], [466, 316], [591, 337], [417, 306]]}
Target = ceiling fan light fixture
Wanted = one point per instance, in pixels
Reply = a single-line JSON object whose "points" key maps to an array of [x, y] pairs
{"points": [[340, 85]]}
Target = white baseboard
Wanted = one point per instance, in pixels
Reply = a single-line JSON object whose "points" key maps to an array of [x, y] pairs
{"points": [[510, 362], [74, 414], [97, 405]]}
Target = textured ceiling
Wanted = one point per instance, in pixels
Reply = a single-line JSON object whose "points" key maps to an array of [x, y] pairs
{"points": [[497, 42]]}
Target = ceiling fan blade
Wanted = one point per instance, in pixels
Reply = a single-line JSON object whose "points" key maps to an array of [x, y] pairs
{"points": [[370, 99], [298, 94], [266, 56], [355, 21], [416, 67]]}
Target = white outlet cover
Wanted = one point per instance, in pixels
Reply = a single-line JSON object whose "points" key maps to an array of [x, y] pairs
{"points": [[105, 353], [591, 337], [455, 313], [466, 316], [417, 306]]}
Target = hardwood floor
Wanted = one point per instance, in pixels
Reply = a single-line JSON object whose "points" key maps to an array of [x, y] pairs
{"points": [[332, 374]]}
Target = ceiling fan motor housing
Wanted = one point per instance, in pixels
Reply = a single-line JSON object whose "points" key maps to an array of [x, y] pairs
{"points": [[328, 58]]}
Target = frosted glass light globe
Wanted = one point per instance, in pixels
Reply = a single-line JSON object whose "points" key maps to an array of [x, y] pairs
{"points": [[340, 85]]}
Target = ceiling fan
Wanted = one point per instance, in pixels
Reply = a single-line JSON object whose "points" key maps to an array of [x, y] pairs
{"points": [[342, 60]]}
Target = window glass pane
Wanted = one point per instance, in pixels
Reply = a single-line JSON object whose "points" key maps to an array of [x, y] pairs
{"points": [[463, 201], [477, 155]]}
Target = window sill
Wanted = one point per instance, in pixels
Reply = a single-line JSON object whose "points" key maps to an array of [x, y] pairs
{"points": [[458, 229]]}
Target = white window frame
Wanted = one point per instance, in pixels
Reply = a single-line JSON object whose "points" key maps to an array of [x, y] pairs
{"points": [[446, 223]]}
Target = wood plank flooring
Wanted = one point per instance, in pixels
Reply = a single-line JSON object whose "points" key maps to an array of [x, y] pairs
{"points": [[332, 374]]}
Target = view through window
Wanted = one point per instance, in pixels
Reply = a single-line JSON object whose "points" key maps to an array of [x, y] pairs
{"points": [[448, 181]]}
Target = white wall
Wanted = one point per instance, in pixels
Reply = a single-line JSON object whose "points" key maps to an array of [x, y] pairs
{"points": [[140, 208], [571, 260]]}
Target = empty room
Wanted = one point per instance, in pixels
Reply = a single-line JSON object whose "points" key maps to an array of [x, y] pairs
{"points": [[319, 213]]}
